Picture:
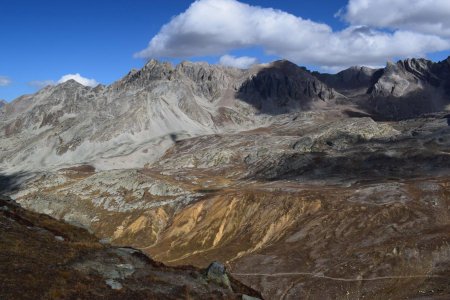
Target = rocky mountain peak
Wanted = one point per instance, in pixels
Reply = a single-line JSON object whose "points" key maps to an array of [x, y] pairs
{"points": [[208, 80], [156, 64], [70, 84], [155, 69], [352, 81], [283, 86], [201, 71], [420, 68], [409, 88], [286, 66], [401, 78]]}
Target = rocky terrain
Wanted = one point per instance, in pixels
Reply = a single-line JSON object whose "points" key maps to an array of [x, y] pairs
{"points": [[42, 258], [304, 185]]}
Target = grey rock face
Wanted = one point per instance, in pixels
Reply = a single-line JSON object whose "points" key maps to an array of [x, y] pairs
{"points": [[282, 87]]}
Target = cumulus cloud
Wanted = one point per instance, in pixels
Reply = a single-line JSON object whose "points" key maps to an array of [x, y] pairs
{"points": [[242, 62], [5, 81], [424, 16], [80, 79], [215, 27]]}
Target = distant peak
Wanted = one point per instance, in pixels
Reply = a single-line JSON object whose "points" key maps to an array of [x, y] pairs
{"points": [[283, 63], [287, 66], [390, 63], [358, 70], [71, 83], [154, 62]]}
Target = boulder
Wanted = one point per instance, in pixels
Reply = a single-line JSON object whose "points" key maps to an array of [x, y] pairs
{"points": [[216, 272]]}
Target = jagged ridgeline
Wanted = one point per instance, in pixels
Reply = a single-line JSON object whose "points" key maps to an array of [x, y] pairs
{"points": [[134, 120]]}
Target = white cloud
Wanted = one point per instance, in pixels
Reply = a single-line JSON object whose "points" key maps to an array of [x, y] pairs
{"points": [[80, 79], [214, 27], [242, 62], [425, 16], [5, 81]]}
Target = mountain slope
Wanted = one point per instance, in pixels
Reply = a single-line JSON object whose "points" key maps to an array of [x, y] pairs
{"points": [[42, 258]]}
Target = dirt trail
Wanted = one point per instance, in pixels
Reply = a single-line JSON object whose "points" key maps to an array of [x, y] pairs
{"points": [[334, 278]]}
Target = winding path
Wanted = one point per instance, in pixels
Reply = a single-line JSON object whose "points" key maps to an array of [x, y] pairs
{"points": [[334, 278]]}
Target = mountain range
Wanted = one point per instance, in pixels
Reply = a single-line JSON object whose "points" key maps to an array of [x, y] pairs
{"points": [[304, 185], [134, 120]]}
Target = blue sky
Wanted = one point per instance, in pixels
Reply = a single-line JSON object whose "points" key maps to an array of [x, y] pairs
{"points": [[45, 40]]}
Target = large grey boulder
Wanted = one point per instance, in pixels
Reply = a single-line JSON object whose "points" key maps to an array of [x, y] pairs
{"points": [[216, 272]]}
